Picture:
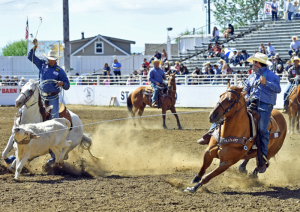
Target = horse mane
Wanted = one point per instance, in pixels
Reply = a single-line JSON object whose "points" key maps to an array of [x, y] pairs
{"points": [[42, 109]]}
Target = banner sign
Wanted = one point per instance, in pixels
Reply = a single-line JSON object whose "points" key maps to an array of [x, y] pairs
{"points": [[268, 8], [45, 47]]}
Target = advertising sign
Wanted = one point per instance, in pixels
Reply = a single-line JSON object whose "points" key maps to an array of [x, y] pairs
{"points": [[45, 47], [268, 8]]}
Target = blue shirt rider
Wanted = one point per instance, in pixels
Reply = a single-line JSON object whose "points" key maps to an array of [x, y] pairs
{"points": [[293, 76], [49, 70], [266, 92], [156, 77]]}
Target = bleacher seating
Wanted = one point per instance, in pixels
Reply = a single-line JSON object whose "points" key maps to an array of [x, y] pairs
{"points": [[249, 38]]}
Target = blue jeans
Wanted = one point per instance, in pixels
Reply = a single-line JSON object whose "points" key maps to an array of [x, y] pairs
{"points": [[269, 55], [54, 111], [288, 88], [265, 114], [215, 39], [290, 16], [274, 15], [156, 90], [291, 52], [296, 15]]}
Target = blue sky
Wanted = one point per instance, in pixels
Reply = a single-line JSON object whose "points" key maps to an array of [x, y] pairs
{"points": [[143, 21]]}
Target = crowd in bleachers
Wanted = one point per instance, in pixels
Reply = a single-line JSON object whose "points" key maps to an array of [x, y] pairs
{"points": [[12, 81]]}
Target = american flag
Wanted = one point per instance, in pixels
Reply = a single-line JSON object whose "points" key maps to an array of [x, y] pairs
{"points": [[26, 30]]}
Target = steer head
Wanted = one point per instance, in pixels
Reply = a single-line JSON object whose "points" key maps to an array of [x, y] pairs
{"points": [[23, 136]]}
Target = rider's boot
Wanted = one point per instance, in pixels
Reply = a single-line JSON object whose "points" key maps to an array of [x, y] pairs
{"points": [[205, 138], [154, 104], [265, 165], [286, 105]]}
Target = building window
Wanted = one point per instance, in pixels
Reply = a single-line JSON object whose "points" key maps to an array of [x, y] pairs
{"points": [[99, 48]]}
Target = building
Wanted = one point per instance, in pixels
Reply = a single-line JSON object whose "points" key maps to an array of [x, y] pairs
{"points": [[151, 47], [100, 46]]}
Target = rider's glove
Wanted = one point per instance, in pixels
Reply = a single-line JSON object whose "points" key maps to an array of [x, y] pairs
{"points": [[35, 42]]}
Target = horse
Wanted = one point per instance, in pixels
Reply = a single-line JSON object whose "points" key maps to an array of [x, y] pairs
{"points": [[137, 101], [294, 109], [29, 100], [232, 108]]}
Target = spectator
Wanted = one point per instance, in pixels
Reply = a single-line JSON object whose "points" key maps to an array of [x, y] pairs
{"points": [[229, 31], [290, 10], [288, 65], [217, 70], [130, 80], [0, 78], [183, 70], [227, 69], [146, 63], [106, 81], [276, 63], [177, 67], [262, 49], [78, 79], [145, 72], [250, 69], [156, 55], [116, 67], [254, 53], [294, 46], [164, 56], [178, 82], [196, 76], [105, 69], [22, 82], [197, 71], [221, 64], [135, 73], [245, 57], [7, 81], [274, 6], [217, 50], [14, 81], [167, 67], [279, 59], [296, 8], [223, 55], [238, 60], [270, 50], [215, 35], [233, 57], [210, 51], [3, 83], [279, 71], [293, 55]]}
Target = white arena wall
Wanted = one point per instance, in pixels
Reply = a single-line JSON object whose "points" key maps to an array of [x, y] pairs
{"points": [[187, 96]]}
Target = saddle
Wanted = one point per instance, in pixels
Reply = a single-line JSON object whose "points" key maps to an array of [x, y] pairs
{"points": [[148, 91]]}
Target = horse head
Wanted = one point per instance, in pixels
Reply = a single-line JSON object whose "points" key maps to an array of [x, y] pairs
{"points": [[28, 95], [171, 81], [227, 105]]}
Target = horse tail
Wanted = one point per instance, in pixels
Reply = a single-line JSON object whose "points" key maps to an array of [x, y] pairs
{"points": [[129, 104], [86, 143]]}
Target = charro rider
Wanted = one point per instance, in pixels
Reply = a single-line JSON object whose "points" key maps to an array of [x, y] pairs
{"points": [[156, 77], [266, 93], [49, 70], [293, 75]]}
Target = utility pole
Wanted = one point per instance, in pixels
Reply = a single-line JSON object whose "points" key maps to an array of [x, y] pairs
{"points": [[66, 38], [208, 15]]}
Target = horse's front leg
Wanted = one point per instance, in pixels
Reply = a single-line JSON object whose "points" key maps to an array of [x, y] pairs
{"points": [[164, 110], [173, 110], [297, 122], [7, 149], [242, 167]]}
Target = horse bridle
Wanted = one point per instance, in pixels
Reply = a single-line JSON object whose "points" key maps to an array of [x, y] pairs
{"points": [[28, 97], [232, 105]]}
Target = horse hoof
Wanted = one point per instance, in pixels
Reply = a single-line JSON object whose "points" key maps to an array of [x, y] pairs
{"points": [[179, 128], [254, 173], [298, 131], [165, 127], [190, 189], [196, 179], [242, 169]]}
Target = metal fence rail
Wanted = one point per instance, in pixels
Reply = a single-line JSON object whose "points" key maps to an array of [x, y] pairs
{"points": [[111, 80]]}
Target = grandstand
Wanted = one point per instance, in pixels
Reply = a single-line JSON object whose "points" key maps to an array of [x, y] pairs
{"points": [[248, 38]]}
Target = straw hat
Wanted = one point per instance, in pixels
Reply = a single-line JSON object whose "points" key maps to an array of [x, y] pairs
{"points": [[294, 53], [295, 58], [52, 55], [176, 62], [259, 57], [294, 37], [221, 60], [167, 62], [156, 60]]}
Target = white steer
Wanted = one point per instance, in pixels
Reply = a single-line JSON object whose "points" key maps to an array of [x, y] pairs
{"points": [[33, 140]]}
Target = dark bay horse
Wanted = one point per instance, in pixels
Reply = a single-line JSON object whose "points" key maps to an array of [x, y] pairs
{"points": [[137, 101], [294, 109], [232, 108]]}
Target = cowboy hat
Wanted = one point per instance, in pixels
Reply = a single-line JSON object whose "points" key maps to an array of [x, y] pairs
{"points": [[52, 55], [295, 58], [167, 62], [294, 37], [176, 62], [221, 60], [156, 60], [22, 78], [259, 57]]}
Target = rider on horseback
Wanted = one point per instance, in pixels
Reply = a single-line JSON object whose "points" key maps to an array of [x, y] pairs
{"points": [[293, 75], [49, 70], [156, 77], [262, 87]]}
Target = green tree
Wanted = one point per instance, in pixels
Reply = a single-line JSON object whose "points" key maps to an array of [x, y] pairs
{"points": [[237, 12], [16, 48]]}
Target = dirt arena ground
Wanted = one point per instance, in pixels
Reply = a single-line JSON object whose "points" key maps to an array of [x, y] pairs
{"points": [[146, 170]]}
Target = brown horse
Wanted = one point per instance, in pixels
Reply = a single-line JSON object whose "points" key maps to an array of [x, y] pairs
{"points": [[138, 101], [294, 109], [232, 107]]}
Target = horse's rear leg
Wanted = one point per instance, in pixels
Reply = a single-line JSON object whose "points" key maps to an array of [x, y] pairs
{"points": [[173, 110], [134, 109], [209, 155], [223, 166], [141, 110], [164, 110]]}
